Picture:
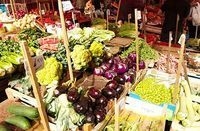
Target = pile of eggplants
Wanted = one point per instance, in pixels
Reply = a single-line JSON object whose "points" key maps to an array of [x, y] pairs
{"points": [[121, 70], [93, 102]]}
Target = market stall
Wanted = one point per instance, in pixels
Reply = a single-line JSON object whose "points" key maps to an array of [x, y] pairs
{"points": [[65, 70]]}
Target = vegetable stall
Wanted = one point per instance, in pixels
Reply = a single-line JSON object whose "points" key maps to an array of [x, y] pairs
{"points": [[59, 76]]}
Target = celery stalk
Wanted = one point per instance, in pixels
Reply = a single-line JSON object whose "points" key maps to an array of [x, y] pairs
{"points": [[182, 113]]}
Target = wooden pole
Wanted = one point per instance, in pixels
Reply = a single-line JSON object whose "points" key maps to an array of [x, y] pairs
{"points": [[118, 10], [12, 8], [65, 38], [137, 47], [116, 115], [52, 3], [169, 50], [178, 75], [35, 86], [176, 33]]}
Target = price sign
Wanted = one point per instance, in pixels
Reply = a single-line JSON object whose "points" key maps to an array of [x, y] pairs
{"points": [[3, 8], [108, 12], [38, 61], [139, 15], [67, 5]]}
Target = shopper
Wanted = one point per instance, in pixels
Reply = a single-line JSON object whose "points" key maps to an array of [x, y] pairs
{"points": [[172, 8], [128, 6], [191, 27], [80, 5], [98, 8]]}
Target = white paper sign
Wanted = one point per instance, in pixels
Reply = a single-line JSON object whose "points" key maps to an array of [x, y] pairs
{"points": [[139, 15], [38, 61], [108, 12], [129, 16], [67, 5]]}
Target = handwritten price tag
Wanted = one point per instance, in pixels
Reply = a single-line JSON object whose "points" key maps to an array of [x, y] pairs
{"points": [[108, 12], [139, 15], [38, 62], [67, 5]]}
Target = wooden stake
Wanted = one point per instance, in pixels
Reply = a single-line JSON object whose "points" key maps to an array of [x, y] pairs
{"points": [[52, 3], [12, 8], [116, 115], [169, 50], [137, 47], [35, 86], [65, 38], [107, 18], [118, 10], [40, 12], [176, 33], [144, 24], [177, 83]]}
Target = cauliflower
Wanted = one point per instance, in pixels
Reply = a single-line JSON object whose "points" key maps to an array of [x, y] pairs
{"points": [[80, 57], [97, 49], [51, 71]]}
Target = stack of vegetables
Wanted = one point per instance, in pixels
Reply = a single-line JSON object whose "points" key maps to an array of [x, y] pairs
{"points": [[154, 91], [20, 117], [10, 56], [145, 51], [127, 30], [130, 121], [79, 105], [86, 46], [26, 22], [122, 69], [188, 114], [52, 71]]}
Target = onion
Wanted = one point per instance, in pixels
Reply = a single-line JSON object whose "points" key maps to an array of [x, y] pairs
{"points": [[128, 62], [112, 84], [99, 71], [142, 65], [117, 59], [132, 71], [121, 68], [106, 66], [111, 61], [132, 56], [110, 74], [120, 79], [128, 77]]}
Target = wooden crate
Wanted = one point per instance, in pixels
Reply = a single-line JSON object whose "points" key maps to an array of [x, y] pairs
{"points": [[178, 127], [36, 126]]}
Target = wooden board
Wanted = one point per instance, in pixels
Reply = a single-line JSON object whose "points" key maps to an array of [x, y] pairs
{"points": [[120, 42]]}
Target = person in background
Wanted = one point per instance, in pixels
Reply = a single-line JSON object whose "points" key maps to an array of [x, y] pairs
{"points": [[172, 8], [128, 6], [191, 27], [80, 5], [98, 8]]}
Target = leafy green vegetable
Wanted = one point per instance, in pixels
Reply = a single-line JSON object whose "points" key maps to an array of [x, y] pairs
{"points": [[145, 51], [31, 35], [127, 30]]}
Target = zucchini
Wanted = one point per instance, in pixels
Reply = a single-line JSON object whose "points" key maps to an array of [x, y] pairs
{"points": [[19, 121], [22, 110], [3, 128]]}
